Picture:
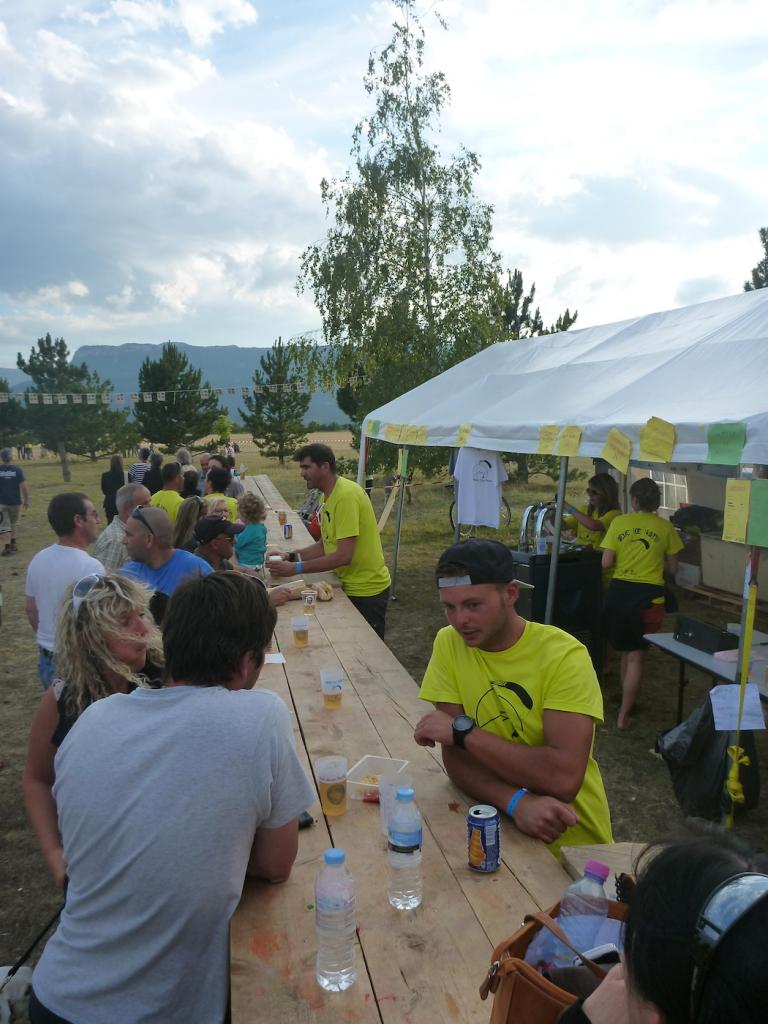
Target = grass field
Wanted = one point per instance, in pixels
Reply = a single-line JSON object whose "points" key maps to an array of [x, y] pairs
{"points": [[639, 791]]}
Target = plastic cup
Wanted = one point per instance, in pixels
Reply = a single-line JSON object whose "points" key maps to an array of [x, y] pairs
{"points": [[300, 627], [282, 517], [331, 775], [309, 600], [389, 783], [332, 684]]}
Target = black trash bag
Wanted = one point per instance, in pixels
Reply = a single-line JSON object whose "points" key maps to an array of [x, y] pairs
{"points": [[697, 758], [698, 519]]}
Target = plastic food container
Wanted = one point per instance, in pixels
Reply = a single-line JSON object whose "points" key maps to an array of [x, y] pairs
{"points": [[363, 777]]}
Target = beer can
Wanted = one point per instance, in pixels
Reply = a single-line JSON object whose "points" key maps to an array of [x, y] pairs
{"points": [[287, 531], [484, 838]]}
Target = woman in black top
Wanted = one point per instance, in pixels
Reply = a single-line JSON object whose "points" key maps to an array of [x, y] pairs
{"points": [[153, 479], [111, 482]]}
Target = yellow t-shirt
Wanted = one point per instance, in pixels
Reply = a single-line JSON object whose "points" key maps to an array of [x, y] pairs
{"points": [[231, 504], [507, 692], [169, 501], [641, 540], [348, 512]]}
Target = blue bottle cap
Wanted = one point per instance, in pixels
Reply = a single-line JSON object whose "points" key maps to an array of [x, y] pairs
{"points": [[334, 856], [405, 793]]}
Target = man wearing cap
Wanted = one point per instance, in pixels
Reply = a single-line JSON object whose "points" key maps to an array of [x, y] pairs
{"points": [[516, 703], [215, 537], [154, 561]]}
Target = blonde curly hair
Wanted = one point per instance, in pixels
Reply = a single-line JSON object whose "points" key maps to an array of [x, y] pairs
{"points": [[251, 508], [85, 628]]}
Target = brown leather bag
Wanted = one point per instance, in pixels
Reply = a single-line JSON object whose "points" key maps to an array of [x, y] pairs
{"points": [[520, 994]]}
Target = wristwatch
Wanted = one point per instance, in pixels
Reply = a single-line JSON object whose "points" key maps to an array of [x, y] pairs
{"points": [[462, 726]]}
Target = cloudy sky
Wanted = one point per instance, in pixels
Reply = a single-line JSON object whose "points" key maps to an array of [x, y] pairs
{"points": [[161, 159]]}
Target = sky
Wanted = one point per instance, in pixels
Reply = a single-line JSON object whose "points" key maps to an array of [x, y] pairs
{"points": [[161, 160]]}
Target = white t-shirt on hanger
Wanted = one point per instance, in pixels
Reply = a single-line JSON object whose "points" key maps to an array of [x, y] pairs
{"points": [[480, 475]]}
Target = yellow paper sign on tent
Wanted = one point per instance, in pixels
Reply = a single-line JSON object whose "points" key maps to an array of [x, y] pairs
{"points": [[547, 438], [617, 450], [465, 429], [657, 440], [393, 432], [736, 514], [568, 442], [421, 435]]}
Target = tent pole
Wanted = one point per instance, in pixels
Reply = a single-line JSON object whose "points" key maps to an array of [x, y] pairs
{"points": [[362, 457], [457, 527], [399, 521], [552, 582]]}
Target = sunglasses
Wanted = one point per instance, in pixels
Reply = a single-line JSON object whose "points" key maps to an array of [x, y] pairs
{"points": [[725, 907], [83, 587], [139, 514]]}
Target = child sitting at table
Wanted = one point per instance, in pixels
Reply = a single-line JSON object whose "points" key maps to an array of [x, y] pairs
{"points": [[251, 544]]}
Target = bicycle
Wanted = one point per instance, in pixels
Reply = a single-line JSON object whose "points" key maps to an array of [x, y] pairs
{"points": [[466, 530]]}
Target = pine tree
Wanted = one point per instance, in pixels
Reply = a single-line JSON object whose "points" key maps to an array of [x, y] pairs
{"points": [[760, 272], [181, 418], [13, 421], [275, 418]]}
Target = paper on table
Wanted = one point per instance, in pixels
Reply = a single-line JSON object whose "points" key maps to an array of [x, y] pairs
{"points": [[725, 707], [657, 440], [757, 532], [736, 514], [274, 658], [617, 450], [725, 442]]}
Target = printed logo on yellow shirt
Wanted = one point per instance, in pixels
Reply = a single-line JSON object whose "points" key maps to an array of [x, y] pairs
{"points": [[514, 688]]}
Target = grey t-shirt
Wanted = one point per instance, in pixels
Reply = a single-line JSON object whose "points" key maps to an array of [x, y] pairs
{"points": [[159, 794]]}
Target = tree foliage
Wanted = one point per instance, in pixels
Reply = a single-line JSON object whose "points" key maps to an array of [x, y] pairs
{"points": [[275, 418], [760, 272], [80, 429], [181, 418], [13, 421]]}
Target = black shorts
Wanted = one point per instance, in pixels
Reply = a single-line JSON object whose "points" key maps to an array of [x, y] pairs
{"points": [[373, 609]]}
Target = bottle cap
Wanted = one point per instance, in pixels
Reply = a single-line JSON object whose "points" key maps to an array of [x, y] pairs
{"points": [[334, 856], [598, 869], [404, 793]]}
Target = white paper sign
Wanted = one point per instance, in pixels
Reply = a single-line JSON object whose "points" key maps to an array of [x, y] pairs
{"points": [[725, 707], [274, 658]]}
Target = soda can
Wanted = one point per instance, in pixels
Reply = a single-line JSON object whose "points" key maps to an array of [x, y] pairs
{"points": [[287, 531], [484, 838]]}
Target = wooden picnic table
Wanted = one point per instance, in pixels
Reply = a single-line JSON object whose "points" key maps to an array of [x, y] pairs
{"points": [[413, 966]]}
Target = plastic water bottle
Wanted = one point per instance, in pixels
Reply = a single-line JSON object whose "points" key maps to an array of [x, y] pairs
{"points": [[335, 922], [404, 852], [583, 910]]}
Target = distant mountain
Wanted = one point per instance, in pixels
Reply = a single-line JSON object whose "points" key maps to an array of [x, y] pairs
{"points": [[223, 366]]}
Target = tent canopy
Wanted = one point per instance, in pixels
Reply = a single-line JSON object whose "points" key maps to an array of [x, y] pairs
{"points": [[695, 366]]}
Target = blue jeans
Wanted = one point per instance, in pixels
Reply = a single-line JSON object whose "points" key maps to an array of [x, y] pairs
{"points": [[45, 667]]}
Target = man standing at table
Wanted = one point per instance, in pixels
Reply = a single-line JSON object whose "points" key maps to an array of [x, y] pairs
{"points": [[156, 867], [350, 541], [516, 703]]}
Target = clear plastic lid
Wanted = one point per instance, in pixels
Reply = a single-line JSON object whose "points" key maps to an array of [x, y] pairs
{"points": [[334, 856], [404, 794], [597, 869]]}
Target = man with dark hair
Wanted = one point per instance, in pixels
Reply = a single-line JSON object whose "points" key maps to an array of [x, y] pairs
{"points": [[154, 560], [350, 541], [516, 703], [169, 496], [216, 483], [109, 548], [53, 570], [157, 867], [139, 469], [13, 491], [215, 537]]}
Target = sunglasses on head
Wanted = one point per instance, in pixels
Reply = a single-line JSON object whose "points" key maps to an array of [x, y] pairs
{"points": [[139, 514], [84, 586]]}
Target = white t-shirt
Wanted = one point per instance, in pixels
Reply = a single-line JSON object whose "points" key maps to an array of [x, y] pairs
{"points": [[50, 576], [480, 475], [159, 794]]}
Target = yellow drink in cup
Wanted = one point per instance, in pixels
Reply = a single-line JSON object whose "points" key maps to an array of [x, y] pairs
{"points": [[332, 684], [331, 775], [300, 627], [282, 517]]}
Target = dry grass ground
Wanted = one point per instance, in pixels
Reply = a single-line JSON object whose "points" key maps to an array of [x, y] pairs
{"points": [[639, 791]]}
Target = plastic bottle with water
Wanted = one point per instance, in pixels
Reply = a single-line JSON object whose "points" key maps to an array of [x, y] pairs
{"points": [[583, 910], [404, 852], [335, 922]]}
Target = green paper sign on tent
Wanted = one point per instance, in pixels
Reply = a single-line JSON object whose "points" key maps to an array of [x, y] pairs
{"points": [[725, 443], [757, 532]]}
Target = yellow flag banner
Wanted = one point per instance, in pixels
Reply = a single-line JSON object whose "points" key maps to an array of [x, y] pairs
{"points": [[657, 440], [547, 438], [568, 442], [617, 450]]}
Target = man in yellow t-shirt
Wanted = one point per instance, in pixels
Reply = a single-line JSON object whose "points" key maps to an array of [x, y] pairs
{"points": [[350, 541], [516, 703], [216, 483], [168, 498]]}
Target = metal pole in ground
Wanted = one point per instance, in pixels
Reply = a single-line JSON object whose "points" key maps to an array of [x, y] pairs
{"points": [[552, 581], [399, 521]]}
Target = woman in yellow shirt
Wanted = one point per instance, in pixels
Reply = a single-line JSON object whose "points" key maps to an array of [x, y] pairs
{"points": [[591, 522]]}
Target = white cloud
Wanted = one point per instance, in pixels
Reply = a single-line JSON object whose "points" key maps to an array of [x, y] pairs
{"points": [[62, 59], [200, 19]]}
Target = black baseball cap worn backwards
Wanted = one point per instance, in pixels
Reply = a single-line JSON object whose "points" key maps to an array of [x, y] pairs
{"points": [[483, 561]]}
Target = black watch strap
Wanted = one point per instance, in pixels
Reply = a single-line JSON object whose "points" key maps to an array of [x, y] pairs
{"points": [[462, 726]]}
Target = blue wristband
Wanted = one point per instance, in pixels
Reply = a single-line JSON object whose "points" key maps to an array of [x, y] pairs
{"points": [[299, 564], [570, 509], [515, 801]]}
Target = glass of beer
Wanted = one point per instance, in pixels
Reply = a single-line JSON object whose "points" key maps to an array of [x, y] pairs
{"points": [[309, 600], [300, 627], [282, 517], [332, 684], [331, 775]]}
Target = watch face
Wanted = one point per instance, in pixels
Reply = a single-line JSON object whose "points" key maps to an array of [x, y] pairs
{"points": [[463, 723]]}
